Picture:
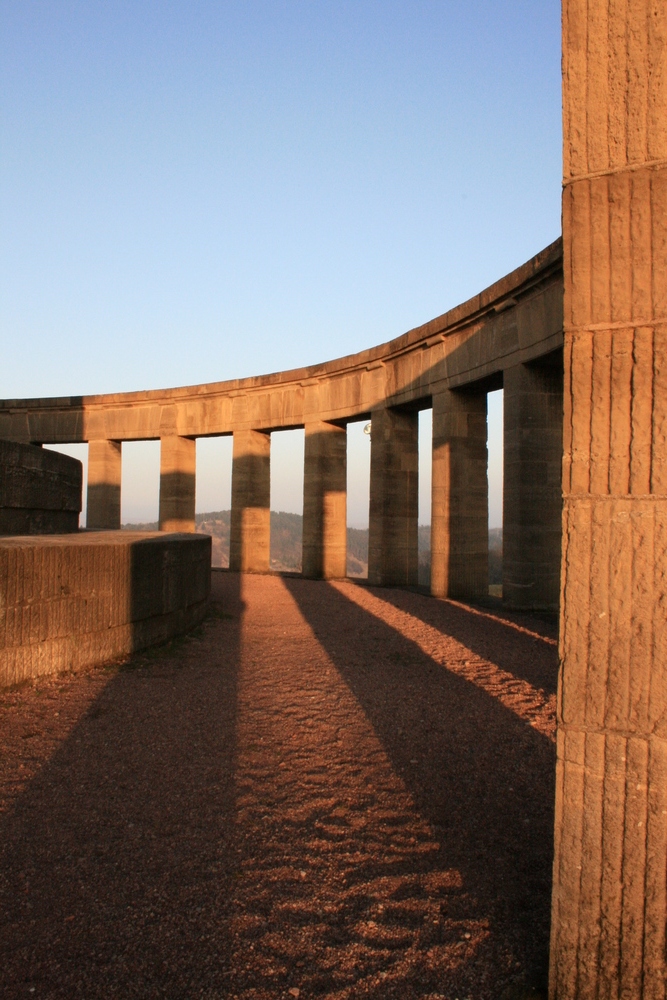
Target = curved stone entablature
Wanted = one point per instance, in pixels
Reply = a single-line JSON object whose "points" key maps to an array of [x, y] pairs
{"points": [[510, 336], [513, 321]]}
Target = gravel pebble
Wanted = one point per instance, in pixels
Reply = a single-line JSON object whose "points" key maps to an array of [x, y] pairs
{"points": [[327, 790]]}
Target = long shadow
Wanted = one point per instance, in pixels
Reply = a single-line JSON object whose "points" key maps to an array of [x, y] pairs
{"points": [[116, 862], [527, 651], [481, 776]]}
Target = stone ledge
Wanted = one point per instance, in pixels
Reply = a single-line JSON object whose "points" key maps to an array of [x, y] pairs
{"points": [[72, 601]]}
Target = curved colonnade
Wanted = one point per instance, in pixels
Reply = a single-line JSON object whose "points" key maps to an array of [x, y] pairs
{"points": [[510, 336], [603, 298]]}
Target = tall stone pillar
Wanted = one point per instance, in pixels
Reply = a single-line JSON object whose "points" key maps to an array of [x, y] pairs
{"points": [[324, 501], [251, 496], [104, 472], [532, 496], [178, 456], [392, 536], [459, 496], [610, 868]]}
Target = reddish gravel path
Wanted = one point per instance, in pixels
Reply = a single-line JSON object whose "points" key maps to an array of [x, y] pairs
{"points": [[327, 791]]}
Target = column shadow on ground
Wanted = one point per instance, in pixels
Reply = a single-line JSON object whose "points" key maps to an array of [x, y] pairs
{"points": [[116, 861], [481, 776], [522, 644]]}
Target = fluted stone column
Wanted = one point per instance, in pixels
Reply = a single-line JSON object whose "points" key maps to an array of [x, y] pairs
{"points": [[392, 537], [325, 500], [250, 539], [178, 456], [459, 496], [104, 473], [532, 496], [610, 869]]}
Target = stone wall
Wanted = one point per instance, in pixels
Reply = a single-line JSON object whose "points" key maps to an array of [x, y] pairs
{"points": [[40, 490], [68, 602]]}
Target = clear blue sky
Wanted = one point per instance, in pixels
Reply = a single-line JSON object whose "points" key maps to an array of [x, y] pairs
{"points": [[202, 191]]}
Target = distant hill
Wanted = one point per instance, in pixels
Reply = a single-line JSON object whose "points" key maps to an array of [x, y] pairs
{"points": [[357, 552], [287, 534], [495, 556]]}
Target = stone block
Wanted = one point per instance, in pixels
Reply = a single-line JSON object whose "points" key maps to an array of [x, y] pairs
{"points": [[40, 490], [71, 601]]}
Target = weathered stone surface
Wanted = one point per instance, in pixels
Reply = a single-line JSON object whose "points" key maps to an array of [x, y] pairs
{"points": [[178, 458], [609, 896], [250, 532], [532, 495], [392, 527], [71, 601], [104, 476], [40, 490], [459, 495], [325, 501]]}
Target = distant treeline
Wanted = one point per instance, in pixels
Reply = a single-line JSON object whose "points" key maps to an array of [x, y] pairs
{"points": [[287, 533]]}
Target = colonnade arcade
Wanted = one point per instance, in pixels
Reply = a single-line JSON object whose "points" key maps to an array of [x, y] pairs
{"points": [[459, 539], [598, 300]]}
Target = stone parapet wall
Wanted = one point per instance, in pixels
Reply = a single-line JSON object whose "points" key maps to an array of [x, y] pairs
{"points": [[40, 490], [514, 321], [68, 602]]}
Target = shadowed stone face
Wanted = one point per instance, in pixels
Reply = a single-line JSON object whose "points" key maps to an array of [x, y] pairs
{"points": [[392, 534], [70, 601], [249, 550], [177, 483], [40, 490], [324, 501], [532, 504], [104, 474], [459, 505]]}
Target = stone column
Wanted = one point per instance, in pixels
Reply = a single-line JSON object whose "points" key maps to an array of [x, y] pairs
{"points": [[324, 501], [104, 471], [177, 483], [392, 537], [532, 497], [459, 496], [610, 869], [251, 495]]}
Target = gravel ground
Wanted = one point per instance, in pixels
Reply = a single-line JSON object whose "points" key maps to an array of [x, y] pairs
{"points": [[327, 790]]}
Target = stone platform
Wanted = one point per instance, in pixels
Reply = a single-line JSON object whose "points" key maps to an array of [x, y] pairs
{"points": [[71, 601]]}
